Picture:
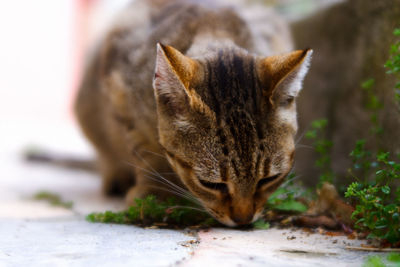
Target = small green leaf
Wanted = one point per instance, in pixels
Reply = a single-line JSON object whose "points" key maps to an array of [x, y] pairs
{"points": [[291, 205], [312, 134], [360, 221], [386, 189], [396, 217], [391, 208], [374, 261], [382, 156], [261, 224], [381, 223], [368, 83], [394, 257], [319, 124]]}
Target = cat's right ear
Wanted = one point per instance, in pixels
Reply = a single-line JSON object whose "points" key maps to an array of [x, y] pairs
{"points": [[282, 75], [172, 77]]}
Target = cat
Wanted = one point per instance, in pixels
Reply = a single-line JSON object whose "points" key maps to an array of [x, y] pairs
{"points": [[178, 99]]}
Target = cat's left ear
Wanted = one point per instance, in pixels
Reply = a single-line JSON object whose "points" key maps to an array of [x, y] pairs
{"points": [[173, 75], [282, 75]]}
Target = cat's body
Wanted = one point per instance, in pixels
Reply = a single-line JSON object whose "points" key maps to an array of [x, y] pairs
{"points": [[213, 114]]}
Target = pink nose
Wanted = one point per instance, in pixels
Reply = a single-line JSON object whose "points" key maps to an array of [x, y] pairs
{"points": [[242, 214]]}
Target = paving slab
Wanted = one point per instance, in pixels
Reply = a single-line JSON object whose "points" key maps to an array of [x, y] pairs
{"points": [[274, 247], [74, 242], [34, 233]]}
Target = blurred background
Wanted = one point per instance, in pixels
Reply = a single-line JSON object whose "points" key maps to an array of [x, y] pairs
{"points": [[42, 56], [44, 45]]}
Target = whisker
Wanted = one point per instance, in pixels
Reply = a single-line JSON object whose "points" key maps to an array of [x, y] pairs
{"points": [[138, 167], [173, 188], [199, 208], [188, 207], [168, 184], [300, 137], [195, 201], [290, 180], [165, 184], [304, 146], [168, 190], [154, 153], [148, 164], [182, 192], [159, 176]]}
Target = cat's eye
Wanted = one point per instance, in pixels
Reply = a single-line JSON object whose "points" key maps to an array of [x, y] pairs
{"points": [[223, 188], [267, 180], [287, 101]]}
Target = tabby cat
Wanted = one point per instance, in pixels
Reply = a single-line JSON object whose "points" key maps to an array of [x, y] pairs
{"points": [[177, 99]]}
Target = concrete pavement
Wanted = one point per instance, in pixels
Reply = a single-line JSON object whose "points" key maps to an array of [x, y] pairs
{"points": [[36, 234]]}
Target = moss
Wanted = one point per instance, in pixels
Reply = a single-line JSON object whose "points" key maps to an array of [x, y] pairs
{"points": [[261, 224], [392, 259], [374, 261], [151, 212], [53, 199]]}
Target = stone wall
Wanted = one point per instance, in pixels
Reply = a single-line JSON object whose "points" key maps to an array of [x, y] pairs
{"points": [[351, 42]]}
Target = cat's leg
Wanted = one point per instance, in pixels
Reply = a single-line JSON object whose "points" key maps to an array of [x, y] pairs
{"points": [[117, 177], [139, 191]]}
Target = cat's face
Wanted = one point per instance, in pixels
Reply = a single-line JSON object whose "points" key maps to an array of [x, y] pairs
{"points": [[227, 123]]}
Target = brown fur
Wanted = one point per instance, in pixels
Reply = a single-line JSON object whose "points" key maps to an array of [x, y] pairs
{"points": [[223, 117]]}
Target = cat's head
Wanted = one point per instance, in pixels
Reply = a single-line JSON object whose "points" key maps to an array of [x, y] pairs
{"points": [[227, 122]]}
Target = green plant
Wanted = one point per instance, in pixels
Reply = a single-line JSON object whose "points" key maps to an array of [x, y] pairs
{"points": [[261, 224], [322, 146], [392, 259], [377, 172], [374, 261], [150, 211], [373, 105], [376, 212], [393, 64], [284, 198]]}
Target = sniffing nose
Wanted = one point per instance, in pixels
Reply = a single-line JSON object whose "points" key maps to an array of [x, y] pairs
{"points": [[242, 220], [242, 213]]}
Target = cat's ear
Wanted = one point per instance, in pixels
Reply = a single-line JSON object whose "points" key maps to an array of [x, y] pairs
{"points": [[283, 75], [173, 74]]}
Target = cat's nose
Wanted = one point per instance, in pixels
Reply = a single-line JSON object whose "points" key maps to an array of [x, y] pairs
{"points": [[242, 220], [242, 214]]}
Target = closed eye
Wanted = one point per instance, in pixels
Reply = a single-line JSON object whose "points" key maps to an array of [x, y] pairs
{"points": [[223, 188], [267, 180], [287, 101]]}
